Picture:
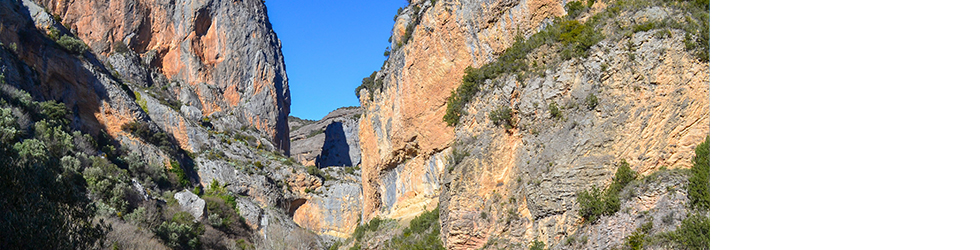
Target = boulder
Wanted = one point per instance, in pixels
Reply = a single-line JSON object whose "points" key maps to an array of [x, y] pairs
{"points": [[191, 203]]}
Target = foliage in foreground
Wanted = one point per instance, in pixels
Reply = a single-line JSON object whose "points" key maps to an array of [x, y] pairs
{"points": [[43, 203]]}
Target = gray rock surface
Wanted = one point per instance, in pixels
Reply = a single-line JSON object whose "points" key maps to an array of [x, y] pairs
{"points": [[189, 202], [331, 141]]}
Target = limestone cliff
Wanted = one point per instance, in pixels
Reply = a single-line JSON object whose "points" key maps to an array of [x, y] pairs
{"points": [[639, 94], [402, 130], [218, 59]]}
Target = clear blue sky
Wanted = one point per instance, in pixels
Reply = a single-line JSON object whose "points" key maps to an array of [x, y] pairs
{"points": [[329, 47]]}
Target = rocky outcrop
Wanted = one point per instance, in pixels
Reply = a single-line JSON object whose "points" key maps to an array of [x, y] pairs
{"points": [[190, 203], [331, 141], [218, 58], [333, 209]]}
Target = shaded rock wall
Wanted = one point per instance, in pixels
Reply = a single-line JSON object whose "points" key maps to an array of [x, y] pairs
{"points": [[331, 141]]}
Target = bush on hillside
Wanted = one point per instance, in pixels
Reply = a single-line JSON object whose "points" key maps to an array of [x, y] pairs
{"points": [[504, 116], [699, 188], [596, 202]]}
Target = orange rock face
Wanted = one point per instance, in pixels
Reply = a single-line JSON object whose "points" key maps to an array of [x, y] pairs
{"points": [[404, 121], [223, 53], [519, 184]]}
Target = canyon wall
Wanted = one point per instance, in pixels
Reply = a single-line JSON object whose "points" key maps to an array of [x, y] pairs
{"points": [[219, 59], [639, 96], [402, 126]]}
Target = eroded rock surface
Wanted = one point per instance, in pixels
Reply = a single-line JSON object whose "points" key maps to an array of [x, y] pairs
{"points": [[402, 124], [220, 57]]}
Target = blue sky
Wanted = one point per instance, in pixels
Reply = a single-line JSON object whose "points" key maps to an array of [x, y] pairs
{"points": [[329, 46]]}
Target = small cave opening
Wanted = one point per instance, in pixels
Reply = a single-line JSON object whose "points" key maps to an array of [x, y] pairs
{"points": [[202, 22], [295, 204]]}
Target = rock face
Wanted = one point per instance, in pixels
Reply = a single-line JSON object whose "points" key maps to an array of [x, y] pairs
{"points": [[219, 58], [331, 141], [331, 206], [402, 124], [639, 97], [334, 209], [189, 202]]}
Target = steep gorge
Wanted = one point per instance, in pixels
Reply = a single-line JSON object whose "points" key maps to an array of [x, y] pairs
{"points": [[188, 102]]}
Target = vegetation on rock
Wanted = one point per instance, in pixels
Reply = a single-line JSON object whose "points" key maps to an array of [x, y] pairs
{"points": [[40, 181], [596, 202]]}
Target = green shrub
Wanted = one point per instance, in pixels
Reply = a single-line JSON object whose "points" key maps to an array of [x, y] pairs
{"points": [[314, 133], [370, 83], [554, 110], [503, 115], [537, 245], [141, 102], [693, 233], [109, 184], [422, 233], [574, 9], [596, 202], [54, 111], [640, 237], [624, 175], [698, 35], [72, 44], [698, 188], [591, 101], [371, 226], [314, 171], [43, 195], [182, 179], [143, 131], [180, 232], [222, 207], [575, 39]]}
